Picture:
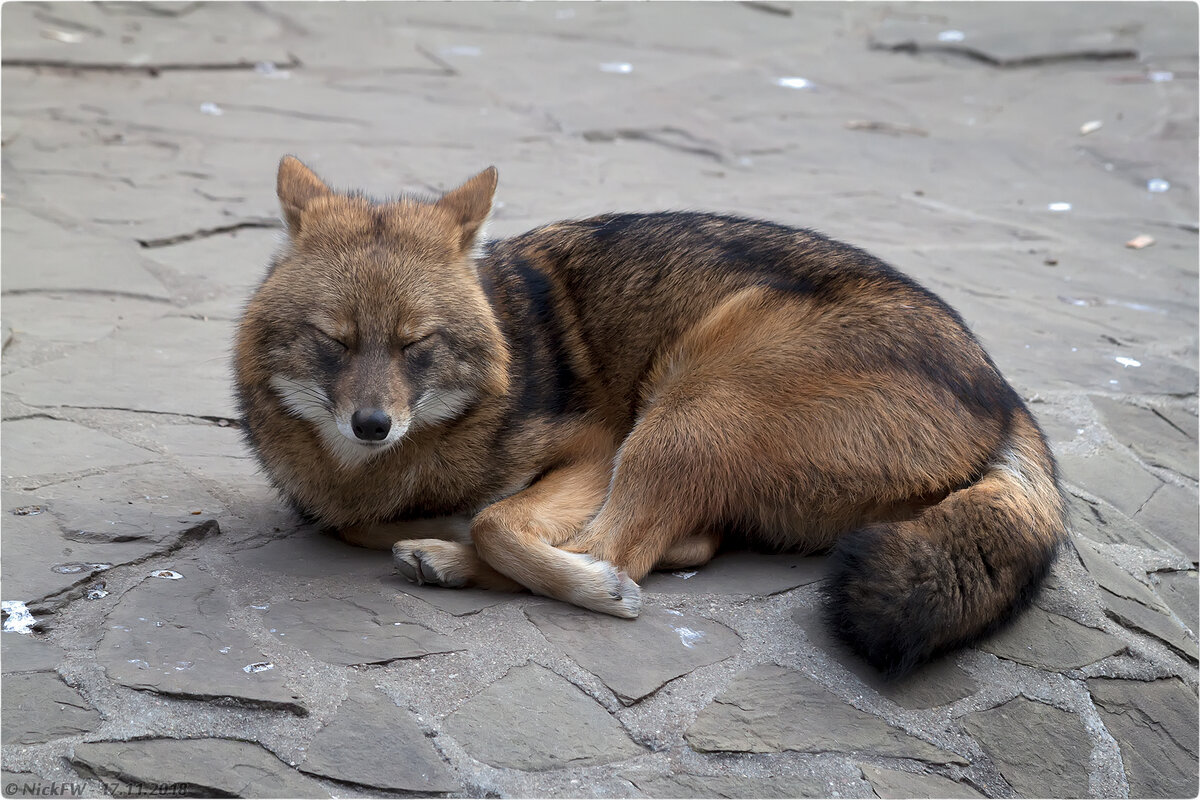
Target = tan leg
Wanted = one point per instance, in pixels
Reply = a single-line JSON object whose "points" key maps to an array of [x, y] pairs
{"points": [[450, 564], [518, 534], [694, 551]]}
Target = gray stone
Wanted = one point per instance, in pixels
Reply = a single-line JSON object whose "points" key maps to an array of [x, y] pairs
{"points": [[731, 786], [893, 783], [1116, 580], [352, 631], [1110, 526], [769, 709], [934, 684], [39, 707], [459, 602], [1136, 616], [55, 447], [1040, 751], [372, 742], [309, 553], [1154, 723], [200, 767], [1054, 40], [147, 503], [1112, 476], [41, 254], [1174, 514], [1180, 591], [634, 658], [24, 653], [1156, 438], [173, 365], [1050, 641], [531, 719], [158, 37], [173, 637], [53, 549], [740, 573]]}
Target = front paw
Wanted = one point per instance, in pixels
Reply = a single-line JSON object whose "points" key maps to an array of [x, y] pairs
{"points": [[430, 561]]}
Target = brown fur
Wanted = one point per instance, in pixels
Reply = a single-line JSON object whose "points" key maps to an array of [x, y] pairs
{"points": [[611, 395]]}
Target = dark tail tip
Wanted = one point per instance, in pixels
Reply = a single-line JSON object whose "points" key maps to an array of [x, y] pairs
{"points": [[899, 603], [869, 607]]}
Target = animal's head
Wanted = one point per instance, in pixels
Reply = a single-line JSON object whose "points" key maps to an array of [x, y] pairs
{"points": [[372, 324]]}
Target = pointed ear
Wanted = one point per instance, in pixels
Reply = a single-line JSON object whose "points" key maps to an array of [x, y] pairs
{"points": [[297, 186], [471, 204]]}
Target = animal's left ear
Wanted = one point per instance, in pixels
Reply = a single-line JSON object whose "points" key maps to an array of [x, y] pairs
{"points": [[471, 204]]}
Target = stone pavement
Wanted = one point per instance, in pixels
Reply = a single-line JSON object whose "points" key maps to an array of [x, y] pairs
{"points": [[188, 633]]}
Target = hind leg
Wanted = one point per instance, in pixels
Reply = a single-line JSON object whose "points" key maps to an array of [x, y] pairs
{"points": [[754, 420], [694, 551]]}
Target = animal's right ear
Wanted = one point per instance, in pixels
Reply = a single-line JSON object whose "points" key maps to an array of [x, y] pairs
{"points": [[297, 186]]}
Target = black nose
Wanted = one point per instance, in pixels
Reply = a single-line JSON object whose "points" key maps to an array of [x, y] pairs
{"points": [[370, 424]]}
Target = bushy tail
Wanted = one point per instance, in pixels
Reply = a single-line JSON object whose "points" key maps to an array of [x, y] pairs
{"points": [[900, 593]]}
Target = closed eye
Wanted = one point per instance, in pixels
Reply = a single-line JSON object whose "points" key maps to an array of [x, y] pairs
{"points": [[330, 338], [427, 337]]}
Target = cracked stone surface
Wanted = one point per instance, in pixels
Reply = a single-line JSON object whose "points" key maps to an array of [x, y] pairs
{"points": [[1019, 734], [346, 631], [635, 658], [140, 143], [1051, 641], [548, 723], [892, 783], [372, 742], [206, 767], [769, 708], [1155, 724], [698, 786], [170, 636], [39, 707]]}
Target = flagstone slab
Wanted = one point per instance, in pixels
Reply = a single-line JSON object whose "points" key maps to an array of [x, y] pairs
{"points": [[309, 553], [1040, 751], [1181, 592], [532, 719], [740, 573], [352, 630], [194, 768], [41, 254], [39, 707], [372, 742], [52, 548], [1112, 476], [634, 658], [36, 447], [1108, 526], [1161, 440], [459, 602], [25, 653], [934, 684], [1050, 641], [893, 783], [770, 709], [1114, 579], [1134, 615], [1154, 722], [172, 365], [730, 786], [1174, 514], [173, 637]]}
